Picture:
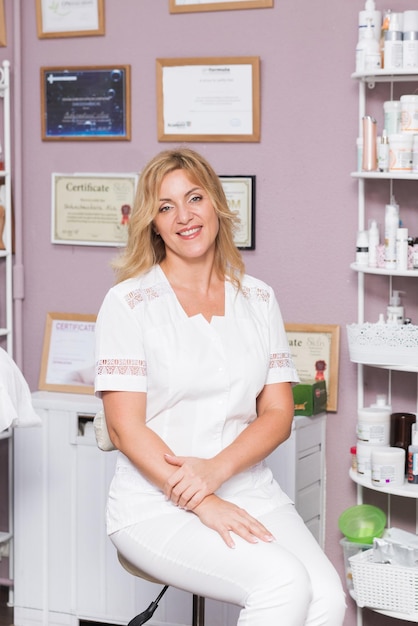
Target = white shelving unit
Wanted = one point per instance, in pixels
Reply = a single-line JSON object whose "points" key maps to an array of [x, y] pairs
{"points": [[6, 277], [367, 83]]}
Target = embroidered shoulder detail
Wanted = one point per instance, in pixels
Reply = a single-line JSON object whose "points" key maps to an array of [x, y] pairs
{"points": [[255, 293], [281, 359], [122, 367], [135, 297]]}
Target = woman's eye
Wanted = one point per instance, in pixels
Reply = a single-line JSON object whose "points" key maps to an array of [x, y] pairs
{"points": [[195, 198], [164, 208]]}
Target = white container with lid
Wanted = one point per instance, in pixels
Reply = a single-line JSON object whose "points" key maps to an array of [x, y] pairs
{"points": [[400, 152], [364, 459], [392, 116], [373, 426], [393, 50], [410, 50], [409, 113], [388, 466], [410, 21]]}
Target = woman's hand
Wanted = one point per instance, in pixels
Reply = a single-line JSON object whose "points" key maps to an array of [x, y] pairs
{"points": [[225, 517], [194, 479]]}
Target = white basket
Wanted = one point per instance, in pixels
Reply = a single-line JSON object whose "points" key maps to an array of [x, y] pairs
{"points": [[383, 344], [384, 586]]}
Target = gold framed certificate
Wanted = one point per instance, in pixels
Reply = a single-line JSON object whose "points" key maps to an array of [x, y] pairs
{"points": [[315, 350], [189, 6], [69, 18], [92, 209], [68, 353]]}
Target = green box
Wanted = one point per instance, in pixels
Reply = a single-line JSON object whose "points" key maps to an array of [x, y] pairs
{"points": [[310, 397]]}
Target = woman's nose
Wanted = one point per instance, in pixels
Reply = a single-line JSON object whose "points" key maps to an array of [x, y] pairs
{"points": [[184, 215]]}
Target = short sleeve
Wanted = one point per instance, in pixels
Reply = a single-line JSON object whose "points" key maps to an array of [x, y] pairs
{"points": [[281, 366], [120, 355]]}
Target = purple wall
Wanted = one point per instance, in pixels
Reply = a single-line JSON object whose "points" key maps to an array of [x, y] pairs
{"points": [[306, 201]]}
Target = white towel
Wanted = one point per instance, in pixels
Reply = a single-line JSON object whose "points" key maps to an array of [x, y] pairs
{"points": [[16, 407]]}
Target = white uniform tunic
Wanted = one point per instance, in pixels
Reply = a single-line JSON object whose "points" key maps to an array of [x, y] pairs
{"points": [[201, 379]]}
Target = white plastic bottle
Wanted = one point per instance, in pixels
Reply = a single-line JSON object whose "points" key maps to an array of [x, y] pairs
{"points": [[393, 46], [395, 311], [402, 249], [374, 241], [362, 248], [391, 227], [383, 152], [370, 15], [368, 54]]}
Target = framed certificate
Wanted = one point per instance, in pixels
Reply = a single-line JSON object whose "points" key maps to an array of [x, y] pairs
{"points": [[3, 38], [68, 353], [69, 18], [240, 194], [86, 103], [208, 99], [92, 209], [188, 6], [315, 350]]}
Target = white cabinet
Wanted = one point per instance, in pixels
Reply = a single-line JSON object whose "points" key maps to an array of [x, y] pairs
{"points": [[6, 276], [366, 289], [66, 569], [299, 466]]}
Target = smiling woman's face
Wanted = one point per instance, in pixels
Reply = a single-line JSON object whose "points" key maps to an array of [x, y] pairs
{"points": [[186, 219]]}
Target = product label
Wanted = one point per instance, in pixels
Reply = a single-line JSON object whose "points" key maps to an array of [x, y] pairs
{"points": [[383, 474], [413, 467], [371, 433]]}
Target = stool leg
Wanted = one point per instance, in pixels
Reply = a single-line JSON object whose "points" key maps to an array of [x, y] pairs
{"points": [[198, 611]]}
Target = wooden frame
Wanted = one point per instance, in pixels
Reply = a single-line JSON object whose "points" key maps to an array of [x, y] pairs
{"points": [[177, 6], [86, 103], [240, 194], [68, 353], [91, 209], [55, 20], [195, 103], [3, 37], [315, 350]]}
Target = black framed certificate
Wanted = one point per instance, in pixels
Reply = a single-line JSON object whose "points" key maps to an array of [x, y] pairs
{"points": [[85, 103]]}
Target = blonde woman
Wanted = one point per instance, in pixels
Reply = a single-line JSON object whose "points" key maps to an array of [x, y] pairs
{"points": [[195, 374]]}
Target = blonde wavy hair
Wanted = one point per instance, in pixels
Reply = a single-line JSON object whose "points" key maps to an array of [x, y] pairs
{"points": [[145, 248]]}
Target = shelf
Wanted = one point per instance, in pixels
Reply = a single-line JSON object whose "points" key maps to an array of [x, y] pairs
{"points": [[385, 76], [365, 269], [386, 175], [406, 490], [394, 368], [407, 617]]}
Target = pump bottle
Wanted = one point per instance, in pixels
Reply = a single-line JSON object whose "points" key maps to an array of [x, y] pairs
{"points": [[368, 54], [374, 16]]}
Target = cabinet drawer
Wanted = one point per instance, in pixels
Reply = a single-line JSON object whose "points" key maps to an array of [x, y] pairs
{"points": [[309, 436], [308, 501], [308, 470]]}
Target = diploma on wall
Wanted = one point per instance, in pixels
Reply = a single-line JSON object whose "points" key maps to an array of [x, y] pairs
{"points": [[92, 209], [210, 99]]}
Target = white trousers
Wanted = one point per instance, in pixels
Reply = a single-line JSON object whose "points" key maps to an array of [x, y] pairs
{"points": [[289, 582]]}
